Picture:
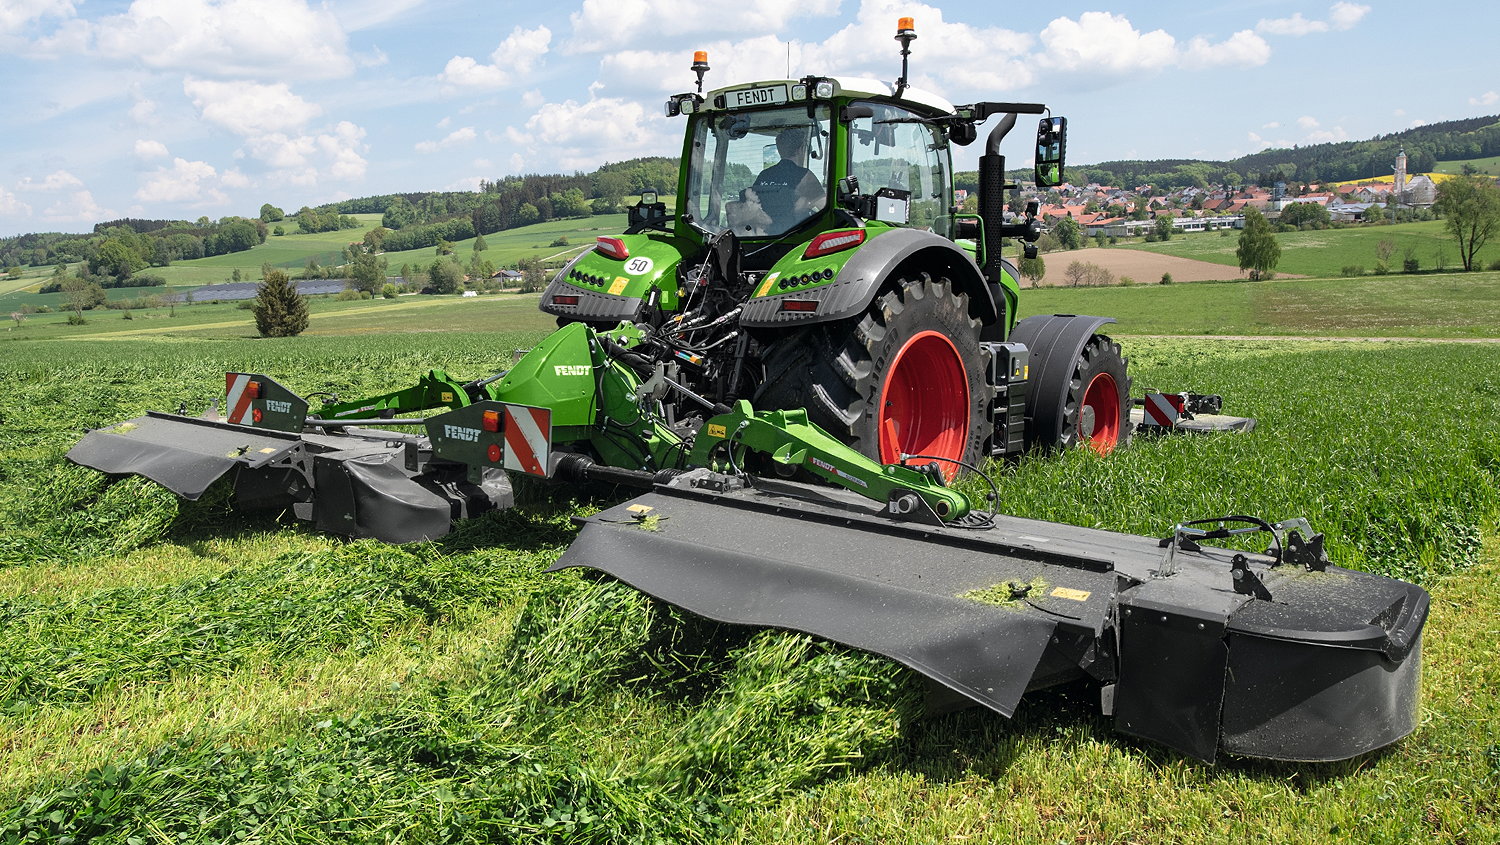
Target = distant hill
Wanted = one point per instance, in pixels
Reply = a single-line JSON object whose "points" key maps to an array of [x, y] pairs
{"points": [[1340, 161]]}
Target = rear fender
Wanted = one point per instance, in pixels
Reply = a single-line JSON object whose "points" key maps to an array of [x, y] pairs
{"points": [[856, 282]]}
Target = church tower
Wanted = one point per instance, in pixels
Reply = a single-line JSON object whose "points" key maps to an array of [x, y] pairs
{"points": [[1399, 187]]}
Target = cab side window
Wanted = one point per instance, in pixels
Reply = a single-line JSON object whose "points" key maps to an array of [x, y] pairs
{"points": [[896, 151]]}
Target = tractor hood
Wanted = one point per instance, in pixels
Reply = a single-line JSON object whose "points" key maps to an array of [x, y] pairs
{"points": [[617, 277]]}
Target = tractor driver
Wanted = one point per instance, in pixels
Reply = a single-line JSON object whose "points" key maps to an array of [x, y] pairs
{"points": [[788, 192]]}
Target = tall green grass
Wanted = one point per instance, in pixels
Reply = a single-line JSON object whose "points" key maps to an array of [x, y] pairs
{"points": [[570, 708]]}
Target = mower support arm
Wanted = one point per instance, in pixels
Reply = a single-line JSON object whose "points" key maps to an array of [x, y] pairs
{"points": [[790, 439], [435, 389]]}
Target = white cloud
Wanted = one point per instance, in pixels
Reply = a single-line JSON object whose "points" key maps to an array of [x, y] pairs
{"points": [[465, 72], [59, 180], [1341, 16], [572, 135], [308, 159], [1488, 98], [150, 149], [1324, 136], [248, 108], [1242, 49], [233, 38], [1307, 122], [515, 57], [994, 59], [1101, 42], [16, 14], [455, 138], [193, 182], [11, 205], [1345, 15], [1275, 124], [79, 207], [601, 25]]}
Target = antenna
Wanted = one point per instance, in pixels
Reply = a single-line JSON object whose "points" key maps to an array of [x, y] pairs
{"points": [[906, 32]]}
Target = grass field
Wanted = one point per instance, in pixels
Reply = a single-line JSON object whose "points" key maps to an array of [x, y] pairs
{"points": [[1459, 305], [1489, 166], [1447, 305], [1327, 252], [293, 251], [179, 672]]}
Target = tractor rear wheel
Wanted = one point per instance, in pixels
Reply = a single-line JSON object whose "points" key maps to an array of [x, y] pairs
{"points": [[907, 377]]}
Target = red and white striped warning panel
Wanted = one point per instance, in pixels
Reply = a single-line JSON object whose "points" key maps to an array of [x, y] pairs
{"points": [[528, 439], [1163, 409], [240, 398]]}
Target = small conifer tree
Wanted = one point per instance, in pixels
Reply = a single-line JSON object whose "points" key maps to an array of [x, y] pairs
{"points": [[280, 311]]}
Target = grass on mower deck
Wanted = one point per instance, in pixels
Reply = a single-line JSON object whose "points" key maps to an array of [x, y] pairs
{"points": [[1325, 253], [173, 670], [1454, 305]]}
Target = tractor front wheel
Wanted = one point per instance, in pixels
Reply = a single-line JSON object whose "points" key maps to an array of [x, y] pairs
{"points": [[1096, 410], [908, 377]]}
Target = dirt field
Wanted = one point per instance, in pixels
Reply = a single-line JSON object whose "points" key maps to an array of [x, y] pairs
{"points": [[1143, 267]]}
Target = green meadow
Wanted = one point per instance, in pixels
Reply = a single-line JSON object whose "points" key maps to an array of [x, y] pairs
{"points": [[184, 672], [1327, 252]]}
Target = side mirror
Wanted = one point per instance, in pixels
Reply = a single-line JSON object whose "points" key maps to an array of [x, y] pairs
{"points": [[1051, 147]]}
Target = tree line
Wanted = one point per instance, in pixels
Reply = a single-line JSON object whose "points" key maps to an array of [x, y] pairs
{"points": [[124, 247]]}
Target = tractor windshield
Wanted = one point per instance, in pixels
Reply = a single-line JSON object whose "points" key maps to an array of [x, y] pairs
{"points": [[758, 173]]}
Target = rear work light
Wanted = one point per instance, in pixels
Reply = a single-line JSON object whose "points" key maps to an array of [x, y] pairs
{"points": [[613, 247], [252, 390], [565, 299], [830, 242], [491, 421], [804, 306]]}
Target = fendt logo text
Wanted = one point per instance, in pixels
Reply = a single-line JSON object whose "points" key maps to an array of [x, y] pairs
{"points": [[458, 432]]}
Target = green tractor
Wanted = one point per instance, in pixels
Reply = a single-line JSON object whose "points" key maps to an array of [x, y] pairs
{"points": [[815, 260], [816, 310]]}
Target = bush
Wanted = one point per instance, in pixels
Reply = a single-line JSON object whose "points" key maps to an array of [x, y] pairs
{"points": [[347, 295], [1410, 265], [1352, 270], [560, 241], [388, 291], [127, 315], [1166, 278], [1126, 281], [1494, 265], [76, 319]]}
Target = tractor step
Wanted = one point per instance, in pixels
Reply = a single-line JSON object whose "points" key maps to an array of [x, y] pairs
{"points": [[1193, 660]]}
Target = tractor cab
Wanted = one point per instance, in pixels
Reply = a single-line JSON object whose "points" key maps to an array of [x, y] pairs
{"points": [[786, 159]]}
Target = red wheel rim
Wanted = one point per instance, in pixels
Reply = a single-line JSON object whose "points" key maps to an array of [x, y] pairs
{"points": [[1101, 404], [924, 404]]}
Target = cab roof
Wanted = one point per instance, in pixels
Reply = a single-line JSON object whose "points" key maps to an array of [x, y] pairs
{"points": [[848, 86]]}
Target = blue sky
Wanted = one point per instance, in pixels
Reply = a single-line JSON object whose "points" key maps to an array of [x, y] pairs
{"points": [[186, 108]]}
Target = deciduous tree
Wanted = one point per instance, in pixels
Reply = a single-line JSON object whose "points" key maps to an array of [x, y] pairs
{"points": [[1470, 206], [445, 276], [1258, 249], [1033, 269]]}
